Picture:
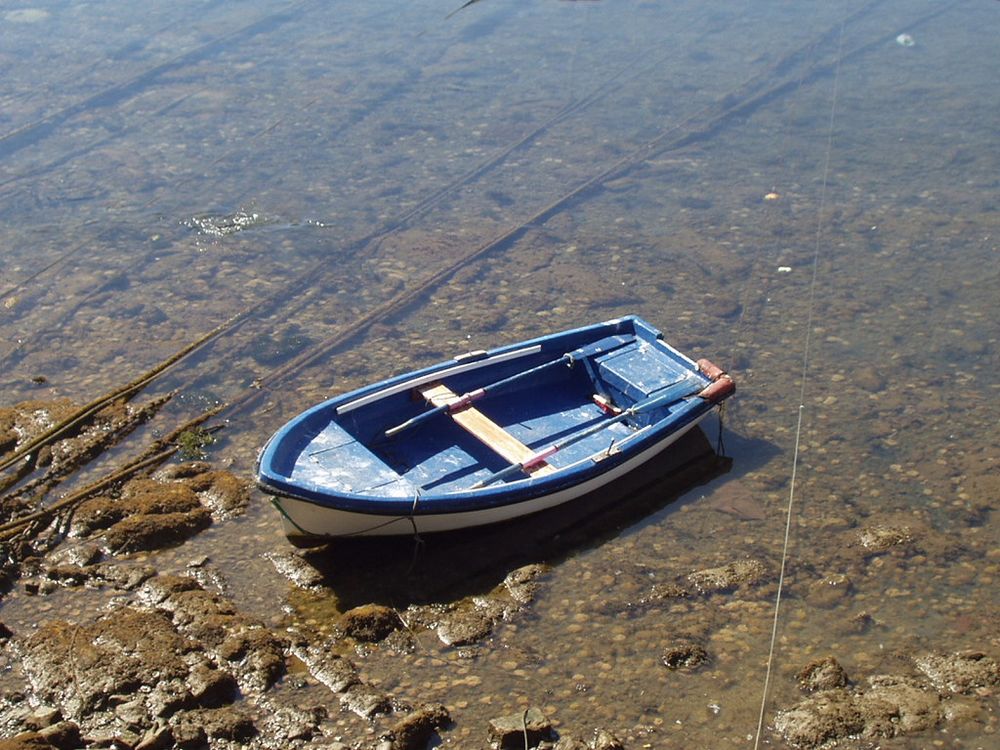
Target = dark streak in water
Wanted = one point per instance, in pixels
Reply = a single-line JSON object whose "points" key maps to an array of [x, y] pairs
{"points": [[39, 130]]}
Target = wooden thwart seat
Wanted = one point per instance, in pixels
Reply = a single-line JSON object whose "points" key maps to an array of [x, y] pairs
{"points": [[485, 429]]}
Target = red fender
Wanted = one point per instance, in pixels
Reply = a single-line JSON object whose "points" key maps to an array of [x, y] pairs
{"points": [[710, 371], [722, 388]]}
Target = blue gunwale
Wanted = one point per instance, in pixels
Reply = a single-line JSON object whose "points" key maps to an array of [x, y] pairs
{"points": [[277, 460]]}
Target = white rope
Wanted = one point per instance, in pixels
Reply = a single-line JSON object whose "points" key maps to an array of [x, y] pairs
{"points": [[802, 390]]}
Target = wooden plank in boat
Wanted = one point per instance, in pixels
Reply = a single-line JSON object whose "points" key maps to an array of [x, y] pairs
{"points": [[485, 429]]}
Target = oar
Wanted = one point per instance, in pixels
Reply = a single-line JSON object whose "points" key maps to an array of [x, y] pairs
{"points": [[598, 347], [675, 392]]}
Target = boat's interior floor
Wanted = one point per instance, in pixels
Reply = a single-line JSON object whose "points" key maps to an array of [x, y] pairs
{"points": [[442, 457], [439, 456]]}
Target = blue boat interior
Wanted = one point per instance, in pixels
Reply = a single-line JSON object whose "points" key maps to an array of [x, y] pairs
{"points": [[575, 403]]}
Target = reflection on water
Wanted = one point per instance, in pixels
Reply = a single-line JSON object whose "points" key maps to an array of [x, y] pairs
{"points": [[387, 187]]}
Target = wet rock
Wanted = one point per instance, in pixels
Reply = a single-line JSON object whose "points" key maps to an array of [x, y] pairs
{"points": [[251, 652], [829, 715], [288, 723], [149, 513], [897, 705], [522, 583], [464, 626], [225, 493], [79, 555], [79, 668], [510, 731], [138, 677], [961, 672], [891, 705], [568, 742], [365, 701], [96, 514], [27, 741], [664, 592], [29, 419], [167, 698], [189, 735], [295, 569], [185, 470], [122, 577], [823, 674], [111, 737], [211, 688], [153, 531], [5, 632], [604, 740], [256, 655], [370, 623], [414, 731], [160, 588], [64, 735], [962, 710], [41, 717], [147, 496], [334, 671], [160, 737], [228, 723], [69, 575], [684, 655], [729, 576]]}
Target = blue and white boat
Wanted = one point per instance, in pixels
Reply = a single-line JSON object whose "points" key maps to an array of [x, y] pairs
{"points": [[489, 435]]}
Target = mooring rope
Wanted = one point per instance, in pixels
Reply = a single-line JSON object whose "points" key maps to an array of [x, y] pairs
{"points": [[802, 387]]}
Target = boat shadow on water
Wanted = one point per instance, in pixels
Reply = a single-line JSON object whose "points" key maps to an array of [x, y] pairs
{"points": [[400, 571]]}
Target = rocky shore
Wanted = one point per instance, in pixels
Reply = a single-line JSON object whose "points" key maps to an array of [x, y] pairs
{"points": [[133, 656]]}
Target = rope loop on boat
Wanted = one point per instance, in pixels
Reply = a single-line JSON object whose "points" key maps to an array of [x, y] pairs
{"points": [[720, 442], [418, 541]]}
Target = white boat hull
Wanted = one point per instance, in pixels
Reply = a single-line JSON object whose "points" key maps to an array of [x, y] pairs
{"points": [[309, 521]]}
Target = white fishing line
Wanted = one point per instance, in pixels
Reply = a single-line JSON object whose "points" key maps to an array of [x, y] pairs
{"points": [[802, 387]]}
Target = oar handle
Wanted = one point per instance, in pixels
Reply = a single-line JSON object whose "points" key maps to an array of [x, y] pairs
{"points": [[413, 421], [678, 391], [595, 348]]}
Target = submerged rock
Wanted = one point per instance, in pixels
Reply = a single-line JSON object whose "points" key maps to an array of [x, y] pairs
{"points": [[961, 672], [879, 538], [827, 716], [828, 592], [895, 705], [604, 740], [513, 730], [890, 706], [684, 655], [823, 674], [370, 623], [729, 576], [414, 731]]}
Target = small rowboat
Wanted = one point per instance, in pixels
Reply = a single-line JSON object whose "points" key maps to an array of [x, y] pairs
{"points": [[489, 435]]}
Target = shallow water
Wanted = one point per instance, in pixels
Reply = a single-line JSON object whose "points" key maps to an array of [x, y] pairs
{"points": [[787, 191]]}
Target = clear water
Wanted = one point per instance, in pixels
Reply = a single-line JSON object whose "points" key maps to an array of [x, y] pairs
{"points": [[783, 188]]}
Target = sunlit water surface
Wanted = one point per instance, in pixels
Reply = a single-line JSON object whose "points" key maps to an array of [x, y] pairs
{"points": [[782, 187]]}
